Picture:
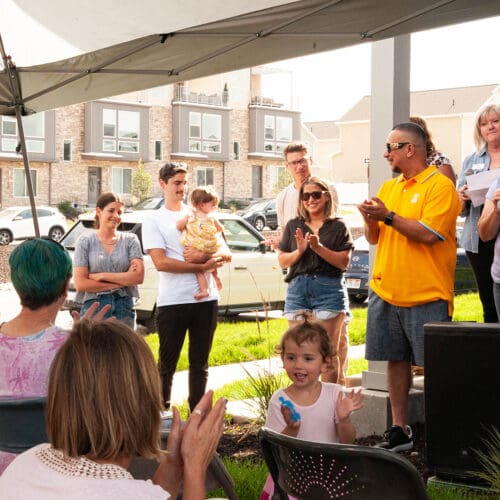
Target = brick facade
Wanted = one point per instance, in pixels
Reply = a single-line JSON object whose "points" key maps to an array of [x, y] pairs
{"points": [[61, 180]]}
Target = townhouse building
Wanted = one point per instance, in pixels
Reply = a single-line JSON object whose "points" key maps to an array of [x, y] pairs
{"points": [[341, 148], [228, 133]]}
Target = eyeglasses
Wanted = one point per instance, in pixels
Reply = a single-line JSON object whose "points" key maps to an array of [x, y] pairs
{"points": [[392, 146], [315, 195], [297, 163]]}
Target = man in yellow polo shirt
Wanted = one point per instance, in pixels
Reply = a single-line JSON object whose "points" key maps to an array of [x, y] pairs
{"points": [[412, 221]]}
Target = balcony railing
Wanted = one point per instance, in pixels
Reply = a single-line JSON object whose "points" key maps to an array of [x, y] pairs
{"points": [[258, 100], [182, 94]]}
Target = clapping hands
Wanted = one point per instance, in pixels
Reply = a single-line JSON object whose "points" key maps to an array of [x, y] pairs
{"points": [[305, 240]]}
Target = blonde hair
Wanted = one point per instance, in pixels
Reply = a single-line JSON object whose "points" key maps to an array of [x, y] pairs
{"points": [[330, 206], [482, 112], [104, 396]]}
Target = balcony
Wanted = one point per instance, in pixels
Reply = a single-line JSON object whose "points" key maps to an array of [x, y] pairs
{"points": [[182, 94], [258, 100]]}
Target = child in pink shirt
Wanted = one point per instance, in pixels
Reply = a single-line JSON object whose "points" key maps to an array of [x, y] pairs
{"points": [[308, 408]]}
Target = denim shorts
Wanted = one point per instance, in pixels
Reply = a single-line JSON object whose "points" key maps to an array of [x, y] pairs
{"points": [[324, 296], [122, 307], [396, 333]]}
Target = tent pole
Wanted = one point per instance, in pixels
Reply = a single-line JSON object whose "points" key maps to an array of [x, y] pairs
{"points": [[15, 87]]}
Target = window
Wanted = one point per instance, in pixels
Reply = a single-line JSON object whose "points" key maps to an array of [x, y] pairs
{"points": [[236, 150], [277, 133], [109, 122], [20, 185], [9, 126], [120, 131], [67, 150], [205, 176], [34, 132], [122, 180], [195, 125], [205, 132], [158, 152], [275, 174]]}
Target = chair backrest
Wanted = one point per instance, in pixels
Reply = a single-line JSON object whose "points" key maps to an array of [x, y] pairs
{"points": [[22, 423], [323, 471]]}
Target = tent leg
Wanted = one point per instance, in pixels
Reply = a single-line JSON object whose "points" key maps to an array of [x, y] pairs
{"points": [[15, 88]]}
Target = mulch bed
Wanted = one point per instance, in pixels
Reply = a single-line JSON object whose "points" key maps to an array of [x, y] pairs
{"points": [[240, 442]]}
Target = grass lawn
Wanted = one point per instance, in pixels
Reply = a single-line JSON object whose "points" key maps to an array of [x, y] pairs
{"points": [[248, 340]]}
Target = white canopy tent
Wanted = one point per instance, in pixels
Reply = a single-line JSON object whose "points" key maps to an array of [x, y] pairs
{"points": [[112, 47], [64, 52]]}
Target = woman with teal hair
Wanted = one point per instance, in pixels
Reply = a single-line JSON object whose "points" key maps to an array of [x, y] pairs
{"points": [[40, 272]]}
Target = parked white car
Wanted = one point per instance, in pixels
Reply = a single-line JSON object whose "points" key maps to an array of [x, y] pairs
{"points": [[253, 280], [17, 223]]}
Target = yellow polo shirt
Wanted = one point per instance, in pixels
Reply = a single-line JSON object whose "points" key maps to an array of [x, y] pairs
{"points": [[407, 273]]}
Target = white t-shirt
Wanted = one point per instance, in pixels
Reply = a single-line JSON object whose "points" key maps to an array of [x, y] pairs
{"points": [[159, 231], [42, 473]]}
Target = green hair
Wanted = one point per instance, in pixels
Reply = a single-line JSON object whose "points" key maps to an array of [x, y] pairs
{"points": [[39, 270]]}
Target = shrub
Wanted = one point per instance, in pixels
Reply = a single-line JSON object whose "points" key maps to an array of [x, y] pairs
{"points": [[68, 209]]}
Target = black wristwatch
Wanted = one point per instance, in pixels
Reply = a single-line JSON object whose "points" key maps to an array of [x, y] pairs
{"points": [[390, 217]]}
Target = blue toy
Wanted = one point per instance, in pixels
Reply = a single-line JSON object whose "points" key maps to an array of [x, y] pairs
{"points": [[286, 402]]}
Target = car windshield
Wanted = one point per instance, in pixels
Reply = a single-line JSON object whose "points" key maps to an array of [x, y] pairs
{"points": [[9, 212], [256, 207], [148, 204]]}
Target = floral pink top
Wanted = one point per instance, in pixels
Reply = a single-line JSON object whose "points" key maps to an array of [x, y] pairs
{"points": [[24, 367]]}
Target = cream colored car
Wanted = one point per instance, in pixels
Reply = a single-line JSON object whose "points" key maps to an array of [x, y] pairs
{"points": [[253, 280]]}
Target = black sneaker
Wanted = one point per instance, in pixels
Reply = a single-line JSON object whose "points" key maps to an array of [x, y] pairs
{"points": [[396, 439]]}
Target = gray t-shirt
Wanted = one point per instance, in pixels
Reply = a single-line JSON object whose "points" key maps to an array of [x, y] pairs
{"points": [[90, 253]]}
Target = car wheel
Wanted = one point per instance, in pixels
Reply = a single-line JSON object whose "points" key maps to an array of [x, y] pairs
{"points": [[357, 298], [5, 237], [259, 223], [56, 233]]}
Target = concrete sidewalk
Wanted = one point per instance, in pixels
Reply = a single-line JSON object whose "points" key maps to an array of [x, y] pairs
{"points": [[218, 376]]}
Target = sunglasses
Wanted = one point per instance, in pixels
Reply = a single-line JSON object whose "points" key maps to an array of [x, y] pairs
{"points": [[315, 195], [392, 146]]}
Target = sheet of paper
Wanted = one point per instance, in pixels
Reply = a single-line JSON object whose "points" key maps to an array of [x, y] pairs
{"points": [[478, 185]]}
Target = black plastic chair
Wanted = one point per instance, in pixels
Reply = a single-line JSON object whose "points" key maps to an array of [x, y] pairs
{"points": [[324, 471], [22, 423]]}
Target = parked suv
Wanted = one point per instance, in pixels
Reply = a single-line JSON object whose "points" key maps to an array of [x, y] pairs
{"points": [[253, 280], [17, 223], [261, 214]]}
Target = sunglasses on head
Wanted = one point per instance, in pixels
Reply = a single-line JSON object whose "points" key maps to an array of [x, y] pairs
{"points": [[315, 195]]}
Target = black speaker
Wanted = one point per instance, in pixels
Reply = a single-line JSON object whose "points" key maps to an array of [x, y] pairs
{"points": [[462, 394]]}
